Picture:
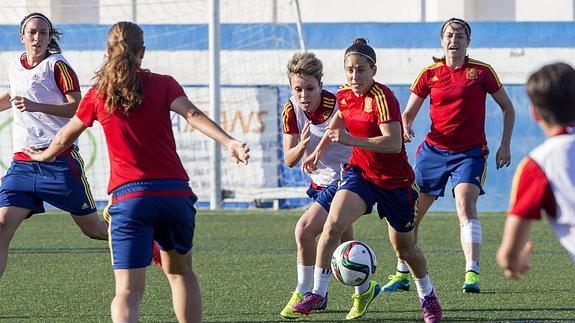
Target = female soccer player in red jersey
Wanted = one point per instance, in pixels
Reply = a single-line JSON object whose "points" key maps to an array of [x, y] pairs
{"points": [[369, 120], [44, 94], [455, 145], [305, 118], [151, 198]]}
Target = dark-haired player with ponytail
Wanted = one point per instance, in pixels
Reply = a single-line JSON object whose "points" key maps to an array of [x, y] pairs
{"points": [[455, 146], [44, 94], [369, 120], [151, 197]]}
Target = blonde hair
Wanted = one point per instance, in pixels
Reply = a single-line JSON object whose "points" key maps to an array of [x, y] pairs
{"points": [[117, 80], [305, 63]]}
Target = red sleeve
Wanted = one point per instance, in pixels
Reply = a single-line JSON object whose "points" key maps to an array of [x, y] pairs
{"points": [[530, 192], [175, 90], [289, 120], [385, 105], [87, 108], [420, 86], [66, 78], [491, 82]]}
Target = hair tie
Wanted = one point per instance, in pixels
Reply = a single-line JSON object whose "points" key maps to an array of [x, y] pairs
{"points": [[359, 53]]}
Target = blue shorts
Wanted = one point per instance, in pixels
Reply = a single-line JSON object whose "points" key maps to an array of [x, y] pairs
{"points": [[433, 166], [322, 195], [61, 183], [143, 211], [395, 205]]}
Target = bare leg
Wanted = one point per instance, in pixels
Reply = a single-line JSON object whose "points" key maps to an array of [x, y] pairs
{"points": [[130, 284], [186, 294], [10, 219], [466, 205], [404, 245], [92, 226], [307, 229], [424, 202], [346, 207]]}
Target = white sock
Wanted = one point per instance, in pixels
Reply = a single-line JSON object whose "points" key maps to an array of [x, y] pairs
{"points": [[402, 267], [304, 278], [321, 278], [424, 286], [472, 266], [362, 288]]}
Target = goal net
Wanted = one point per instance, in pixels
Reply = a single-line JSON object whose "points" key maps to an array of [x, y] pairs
{"points": [[257, 39]]}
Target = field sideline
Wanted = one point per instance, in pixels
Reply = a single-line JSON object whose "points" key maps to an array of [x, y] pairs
{"points": [[245, 261]]}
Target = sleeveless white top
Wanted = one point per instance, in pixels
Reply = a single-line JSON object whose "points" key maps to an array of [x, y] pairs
{"points": [[38, 84], [556, 157], [328, 167]]}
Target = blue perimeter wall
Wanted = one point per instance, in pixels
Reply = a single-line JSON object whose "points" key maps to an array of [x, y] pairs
{"points": [[381, 35]]}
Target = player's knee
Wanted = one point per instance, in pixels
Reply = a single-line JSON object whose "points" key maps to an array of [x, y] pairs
{"points": [[304, 232], [471, 231], [465, 208], [95, 233], [333, 230]]}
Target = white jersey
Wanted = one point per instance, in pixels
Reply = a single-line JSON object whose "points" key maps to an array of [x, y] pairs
{"points": [[556, 157], [38, 84], [329, 165]]}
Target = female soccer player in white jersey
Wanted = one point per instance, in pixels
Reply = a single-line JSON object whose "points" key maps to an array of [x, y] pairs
{"points": [[44, 94], [305, 118], [151, 198], [544, 180]]}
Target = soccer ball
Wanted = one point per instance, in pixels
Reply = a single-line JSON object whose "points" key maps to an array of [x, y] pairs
{"points": [[353, 263]]}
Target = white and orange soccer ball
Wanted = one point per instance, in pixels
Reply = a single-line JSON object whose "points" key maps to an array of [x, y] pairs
{"points": [[353, 263]]}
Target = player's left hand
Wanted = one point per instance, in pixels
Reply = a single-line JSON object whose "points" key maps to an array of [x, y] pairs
{"points": [[239, 152], [521, 265], [337, 135], [503, 156], [25, 105], [37, 154]]}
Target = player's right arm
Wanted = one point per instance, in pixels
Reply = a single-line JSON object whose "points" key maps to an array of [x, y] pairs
{"points": [[513, 254], [294, 145], [5, 101], [413, 105], [239, 151], [311, 161]]}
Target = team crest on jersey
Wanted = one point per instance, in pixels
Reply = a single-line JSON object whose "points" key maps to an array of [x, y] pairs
{"points": [[367, 104], [342, 102], [471, 73]]}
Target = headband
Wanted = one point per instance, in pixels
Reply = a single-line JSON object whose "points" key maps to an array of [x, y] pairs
{"points": [[458, 21], [358, 53], [36, 16]]}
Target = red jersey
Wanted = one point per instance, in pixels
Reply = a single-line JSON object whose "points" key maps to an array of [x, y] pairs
{"points": [[457, 102], [141, 145], [362, 116]]}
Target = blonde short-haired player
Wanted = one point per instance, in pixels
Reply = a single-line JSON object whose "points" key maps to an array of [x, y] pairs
{"points": [[305, 118]]}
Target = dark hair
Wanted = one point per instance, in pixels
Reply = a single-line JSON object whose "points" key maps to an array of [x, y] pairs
{"points": [[360, 47], [449, 22], [551, 89], [56, 34], [459, 21]]}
